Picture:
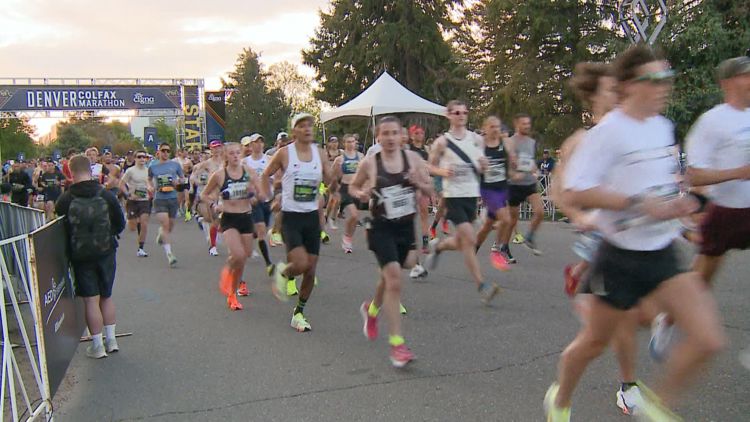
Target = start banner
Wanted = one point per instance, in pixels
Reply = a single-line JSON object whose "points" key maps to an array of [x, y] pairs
{"points": [[89, 97]]}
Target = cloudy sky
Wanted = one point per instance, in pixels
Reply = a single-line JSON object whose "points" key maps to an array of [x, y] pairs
{"points": [[149, 39]]}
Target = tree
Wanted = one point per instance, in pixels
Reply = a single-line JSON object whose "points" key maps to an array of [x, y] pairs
{"points": [[165, 133], [71, 136], [253, 107], [359, 39], [15, 137], [296, 88], [80, 133]]}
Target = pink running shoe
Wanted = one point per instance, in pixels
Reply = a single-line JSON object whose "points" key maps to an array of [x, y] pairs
{"points": [[370, 324], [498, 261], [401, 355]]}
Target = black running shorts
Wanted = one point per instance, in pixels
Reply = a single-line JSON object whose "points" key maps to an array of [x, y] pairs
{"points": [[347, 199], [301, 229], [96, 277], [391, 241], [461, 210], [242, 222], [519, 193], [135, 209]]}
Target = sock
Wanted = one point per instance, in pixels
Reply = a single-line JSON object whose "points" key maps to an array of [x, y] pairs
{"points": [[373, 310], [167, 248], [138, 228], [97, 340], [625, 386], [140, 245], [425, 241], [263, 246], [109, 331], [300, 308], [395, 340], [213, 232]]}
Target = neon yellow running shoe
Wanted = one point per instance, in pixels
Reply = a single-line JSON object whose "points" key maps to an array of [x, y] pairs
{"points": [[518, 239], [188, 215], [299, 323], [324, 237], [291, 288], [401, 309], [276, 239], [652, 409], [278, 286], [554, 413]]}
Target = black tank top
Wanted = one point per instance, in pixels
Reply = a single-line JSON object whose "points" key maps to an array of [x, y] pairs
{"points": [[421, 151], [233, 189], [393, 196], [495, 177]]}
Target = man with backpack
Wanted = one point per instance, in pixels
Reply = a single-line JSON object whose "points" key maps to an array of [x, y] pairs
{"points": [[94, 219]]}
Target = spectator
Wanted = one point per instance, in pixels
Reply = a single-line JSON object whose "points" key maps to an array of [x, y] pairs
{"points": [[546, 164], [94, 219], [21, 185]]}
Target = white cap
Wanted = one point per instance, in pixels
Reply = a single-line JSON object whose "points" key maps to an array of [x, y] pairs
{"points": [[246, 140], [300, 117], [282, 135]]}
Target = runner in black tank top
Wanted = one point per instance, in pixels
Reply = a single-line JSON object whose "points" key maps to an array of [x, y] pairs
{"points": [[395, 175]]}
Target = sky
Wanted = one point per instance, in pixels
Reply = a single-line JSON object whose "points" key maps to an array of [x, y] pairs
{"points": [[148, 39]]}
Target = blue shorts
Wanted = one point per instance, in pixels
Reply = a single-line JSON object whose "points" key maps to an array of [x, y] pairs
{"points": [[494, 200]]}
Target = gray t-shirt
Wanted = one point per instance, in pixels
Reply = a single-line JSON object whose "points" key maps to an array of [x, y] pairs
{"points": [[165, 176], [524, 149]]}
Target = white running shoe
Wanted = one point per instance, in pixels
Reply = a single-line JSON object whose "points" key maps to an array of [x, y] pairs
{"points": [[213, 252], [418, 272], [255, 255], [95, 352], [629, 400], [661, 338], [111, 345], [332, 224], [141, 253], [172, 260], [431, 259]]}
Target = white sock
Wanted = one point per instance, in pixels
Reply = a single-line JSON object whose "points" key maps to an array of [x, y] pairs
{"points": [[97, 339], [167, 248], [109, 331]]}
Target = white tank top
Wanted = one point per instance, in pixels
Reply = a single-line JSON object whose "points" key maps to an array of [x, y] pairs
{"points": [[465, 182], [259, 166], [299, 186]]}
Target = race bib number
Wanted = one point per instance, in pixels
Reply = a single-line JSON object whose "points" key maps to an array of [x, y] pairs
{"points": [[305, 190], [525, 164], [463, 172], [203, 179], [165, 183], [40, 197], [495, 171], [398, 201], [236, 190], [141, 193]]}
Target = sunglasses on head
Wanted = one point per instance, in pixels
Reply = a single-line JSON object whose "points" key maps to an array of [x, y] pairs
{"points": [[460, 113], [660, 77]]}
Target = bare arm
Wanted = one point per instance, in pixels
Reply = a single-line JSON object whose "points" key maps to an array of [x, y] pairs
{"points": [[705, 177], [329, 178], [356, 187], [275, 166], [214, 181], [418, 173], [433, 161]]}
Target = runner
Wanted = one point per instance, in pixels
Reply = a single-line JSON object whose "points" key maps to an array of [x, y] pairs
{"points": [[98, 171], [112, 182], [522, 185], [625, 167], [51, 182], [344, 169], [388, 179], [163, 177], [135, 185], [258, 161], [333, 199], [494, 189], [282, 140], [236, 186], [457, 157], [201, 173], [183, 186], [416, 136], [302, 168]]}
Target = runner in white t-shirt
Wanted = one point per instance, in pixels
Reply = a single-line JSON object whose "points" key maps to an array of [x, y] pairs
{"points": [[258, 161]]}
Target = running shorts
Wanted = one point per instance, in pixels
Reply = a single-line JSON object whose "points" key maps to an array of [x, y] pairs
{"points": [[391, 241], [724, 229], [621, 277], [461, 210], [136, 209], [301, 229], [95, 277], [519, 193], [347, 199], [168, 206], [240, 221], [262, 213], [494, 200]]}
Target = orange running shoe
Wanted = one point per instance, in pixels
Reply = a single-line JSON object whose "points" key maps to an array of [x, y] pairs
{"points": [[225, 282], [233, 303], [243, 290], [571, 280], [446, 227]]}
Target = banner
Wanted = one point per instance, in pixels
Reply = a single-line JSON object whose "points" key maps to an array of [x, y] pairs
{"points": [[82, 98], [150, 137], [192, 126], [215, 115], [61, 316]]}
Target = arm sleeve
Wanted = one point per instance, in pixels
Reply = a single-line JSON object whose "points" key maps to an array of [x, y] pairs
{"points": [[590, 161], [700, 143]]}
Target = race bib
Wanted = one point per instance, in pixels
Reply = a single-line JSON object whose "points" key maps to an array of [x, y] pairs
{"points": [[398, 201], [305, 190], [203, 179], [165, 183], [236, 190], [141, 193], [526, 164], [463, 172], [40, 197], [495, 171]]}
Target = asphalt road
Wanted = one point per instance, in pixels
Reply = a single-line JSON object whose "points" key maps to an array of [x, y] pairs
{"points": [[191, 359]]}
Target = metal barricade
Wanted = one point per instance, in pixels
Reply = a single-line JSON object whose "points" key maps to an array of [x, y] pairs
{"points": [[544, 187], [15, 221]]}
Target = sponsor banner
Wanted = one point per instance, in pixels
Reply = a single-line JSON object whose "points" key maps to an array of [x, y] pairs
{"points": [[192, 127], [150, 138], [215, 115], [76, 97], [61, 315]]}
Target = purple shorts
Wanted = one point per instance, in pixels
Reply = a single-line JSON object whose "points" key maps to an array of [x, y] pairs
{"points": [[494, 200]]}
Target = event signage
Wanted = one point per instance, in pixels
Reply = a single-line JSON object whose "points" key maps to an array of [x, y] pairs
{"points": [[61, 315], [215, 115], [192, 127], [87, 97], [150, 137]]}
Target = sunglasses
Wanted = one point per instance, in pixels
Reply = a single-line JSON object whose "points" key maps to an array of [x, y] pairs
{"points": [[459, 113], [660, 77], [165, 150], [140, 156]]}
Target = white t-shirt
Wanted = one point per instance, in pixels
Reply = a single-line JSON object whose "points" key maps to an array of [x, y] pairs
{"points": [[137, 181], [465, 182], [720, 140], [630, 157], [259, 166]]}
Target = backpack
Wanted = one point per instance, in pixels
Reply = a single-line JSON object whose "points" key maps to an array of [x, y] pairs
{"points": [[90, 228]]}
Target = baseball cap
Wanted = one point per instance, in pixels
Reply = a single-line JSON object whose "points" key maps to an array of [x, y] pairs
{"points": [[246, 140], [215, 143], [414, 129], [302, 116], [282, 135], [733, 67]]}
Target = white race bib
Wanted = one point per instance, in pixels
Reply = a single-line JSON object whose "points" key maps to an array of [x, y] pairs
{"points": [[495, 171], [398, 201], [525, 164]]}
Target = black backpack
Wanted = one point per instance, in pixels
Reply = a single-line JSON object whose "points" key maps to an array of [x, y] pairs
{"points": [[90, 228]]}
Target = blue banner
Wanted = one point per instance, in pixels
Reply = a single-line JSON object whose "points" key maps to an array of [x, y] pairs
{"points": [[150, 137], [72, 98]]}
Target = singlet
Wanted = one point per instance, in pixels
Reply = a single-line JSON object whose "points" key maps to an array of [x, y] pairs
{"points": [[235, 189], [328, 154], [349, 165], [137, 183], [259, 166], [393, 195], [464, 183], [525, 148], [494, 178], [421, 151], [126, 166], [299, 186]]}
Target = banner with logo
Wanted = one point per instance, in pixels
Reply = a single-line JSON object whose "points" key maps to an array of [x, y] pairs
{"points": [[215, 115], [77, 98], [150, 137], [192, 126], [61, 316]]}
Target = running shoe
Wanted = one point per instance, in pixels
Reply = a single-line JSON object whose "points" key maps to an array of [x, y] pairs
{"points": [[291, 287], [188, 216], [95, 352], [332, 224], [141, 253], [446, 227], [571, 281], [225, 281], [276, 239], [255, 255], [433, 232], [243, 290], [158, 236], [278, 286], [324, 237], [661, 338], [488, 292], [172, 260], [299, 323], [233, 303], [370, 328], [495, 247], [518, 239], [212, 251], [554, 413], [628, 400], [498, 261], [110, 345], [199, 220], [652, 409], [532, 246], [431, 259], [508, 256], [418, 272], [401, 355], [346, 244], [270, 269], [401, 309]]}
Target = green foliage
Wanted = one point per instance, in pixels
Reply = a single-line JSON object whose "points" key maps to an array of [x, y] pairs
{"points": [[359, 39], [165, 133], [15, 137], [81, 133], [254, 107]]}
